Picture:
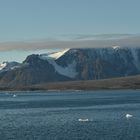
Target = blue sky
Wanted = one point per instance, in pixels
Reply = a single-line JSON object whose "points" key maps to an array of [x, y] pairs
{"points": [[22, 20]]}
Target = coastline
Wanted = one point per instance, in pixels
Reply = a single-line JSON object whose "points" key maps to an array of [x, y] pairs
{"points": [[131, 82]]}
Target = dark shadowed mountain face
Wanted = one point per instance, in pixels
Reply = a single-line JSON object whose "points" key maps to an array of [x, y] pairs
{"points": [[72, 64], [102, 63], [33, 71]]}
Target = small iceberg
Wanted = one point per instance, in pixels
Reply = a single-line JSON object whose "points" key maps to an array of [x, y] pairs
{"points": [[83, 120], [14, 95], [128, 116]]}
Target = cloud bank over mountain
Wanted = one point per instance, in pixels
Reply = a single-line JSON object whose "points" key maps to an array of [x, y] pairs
{"points": [[75, 41]]}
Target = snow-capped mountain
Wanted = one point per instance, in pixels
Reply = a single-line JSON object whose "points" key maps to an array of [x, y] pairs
{"points": [[73, 64], [6, 66]]}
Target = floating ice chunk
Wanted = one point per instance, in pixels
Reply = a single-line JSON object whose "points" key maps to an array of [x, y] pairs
{"points": [[83, 120], [128, 116], [14, 95]]}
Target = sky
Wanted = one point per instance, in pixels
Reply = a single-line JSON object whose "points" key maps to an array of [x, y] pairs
{"points": [[37, 21]]}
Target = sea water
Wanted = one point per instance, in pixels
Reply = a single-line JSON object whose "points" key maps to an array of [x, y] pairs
{"points": [[70, 115]]}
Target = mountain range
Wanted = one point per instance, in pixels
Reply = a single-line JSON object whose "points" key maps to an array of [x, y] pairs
{"points": [[71, 65]]}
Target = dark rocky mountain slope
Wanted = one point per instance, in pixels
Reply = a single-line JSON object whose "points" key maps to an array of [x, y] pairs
{"points": [[71, 65]]}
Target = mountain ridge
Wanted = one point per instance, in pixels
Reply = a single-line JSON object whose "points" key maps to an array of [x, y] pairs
{"points": [[73, 65]]}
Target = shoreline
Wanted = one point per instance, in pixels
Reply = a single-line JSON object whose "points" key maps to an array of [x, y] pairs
{"points": [[131, 82], [69, 90]]}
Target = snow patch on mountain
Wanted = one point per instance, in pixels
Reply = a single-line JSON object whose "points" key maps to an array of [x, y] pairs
{"points": [[58, 54], [69, 71], [3, 65], [54, 55], [115, 47]]}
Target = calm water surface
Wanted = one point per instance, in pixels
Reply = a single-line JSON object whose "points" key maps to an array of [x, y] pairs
{"points": [[54, 115]]}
